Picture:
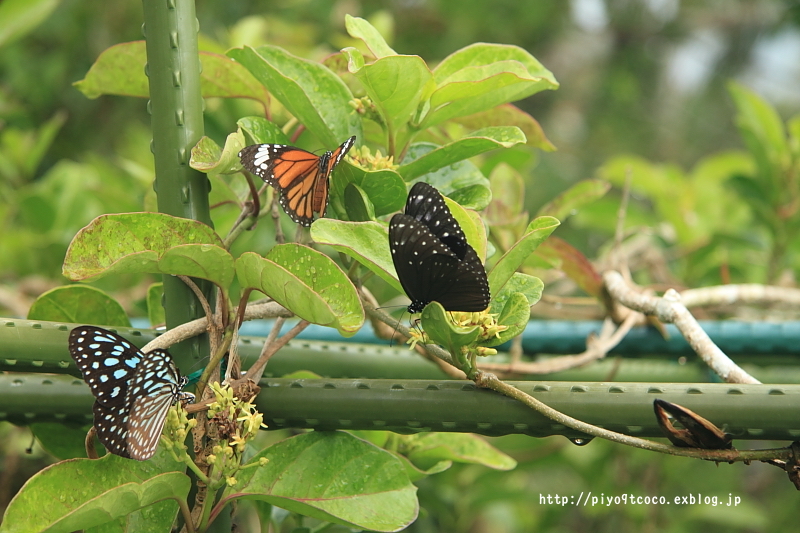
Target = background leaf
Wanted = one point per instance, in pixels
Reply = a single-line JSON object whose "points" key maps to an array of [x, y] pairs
{"points": [[332, 476], [312, 93], [102, 490], [79, 304]]}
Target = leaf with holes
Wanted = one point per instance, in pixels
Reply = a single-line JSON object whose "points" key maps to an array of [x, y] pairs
{"points": [[147, 243]]}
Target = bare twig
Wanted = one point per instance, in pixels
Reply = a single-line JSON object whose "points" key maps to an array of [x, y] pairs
{"points": [[669, 309], [198, 293], [596, 348], [269, 350], [199, 326], [749, 293], [490, 381], [248, 217]]}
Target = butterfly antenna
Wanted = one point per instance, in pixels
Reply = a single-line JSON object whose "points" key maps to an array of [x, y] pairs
{"points": [[396, 325]]}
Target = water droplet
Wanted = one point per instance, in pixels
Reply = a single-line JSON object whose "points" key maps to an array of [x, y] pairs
{"points": [[581, 441]]}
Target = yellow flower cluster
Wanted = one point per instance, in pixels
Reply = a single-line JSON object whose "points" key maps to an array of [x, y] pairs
{"points": [[364, 158], [237, 420], [487, 322]]}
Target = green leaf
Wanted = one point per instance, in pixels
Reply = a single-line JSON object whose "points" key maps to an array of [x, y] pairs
{"points": [[451, 178], [209, 158], [385, 188], [509, 115], [25, 149], [570, 201], [20, 17], [515, 314], [529, 286], [120, 71], [332, 476], [59, 440], [482, 76], [357, 204], [314, 95], [204, 261], [482, 54], [155, 309], [416, 473], [427, 449], [366, 242], [137, 243], [441, 330], [471, 145], [508, 196], [258, 130], [395, 84], [472, 226], [474, 197], [361, 29], [79, 304], [764, 134], [101, 491], [538, 230], [306, 282]]}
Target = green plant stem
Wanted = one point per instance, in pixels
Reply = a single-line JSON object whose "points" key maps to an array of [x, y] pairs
{"points": [[194, 468], [213, 363], [187, 514], [206, 511], [176, 110], [490, 381], [245, 222]]}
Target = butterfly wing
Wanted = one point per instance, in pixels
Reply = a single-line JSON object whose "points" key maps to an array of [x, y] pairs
{"points": [[432, 258], [132, 391], [425, 267], [470, 289], [426, 204], [291, 170], [300, 176], [106, 360], [326, 165], [154, 388], [111, 424]]}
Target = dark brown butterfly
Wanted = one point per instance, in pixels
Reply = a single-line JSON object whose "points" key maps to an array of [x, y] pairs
{"points": [[432, 258]]}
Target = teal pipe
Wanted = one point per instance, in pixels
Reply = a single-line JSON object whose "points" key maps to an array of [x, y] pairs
{"points": [[38, 346]]}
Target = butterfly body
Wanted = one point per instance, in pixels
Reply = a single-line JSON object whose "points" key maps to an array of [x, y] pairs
{"points": [[432, 258], [300, 177], [133, 391]]}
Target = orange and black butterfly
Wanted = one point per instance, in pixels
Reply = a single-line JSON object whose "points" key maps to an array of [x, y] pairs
{"points": [[301, 177]]}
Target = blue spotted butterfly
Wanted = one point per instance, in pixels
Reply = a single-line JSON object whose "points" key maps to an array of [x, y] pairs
{"points": [[133, 391]]}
